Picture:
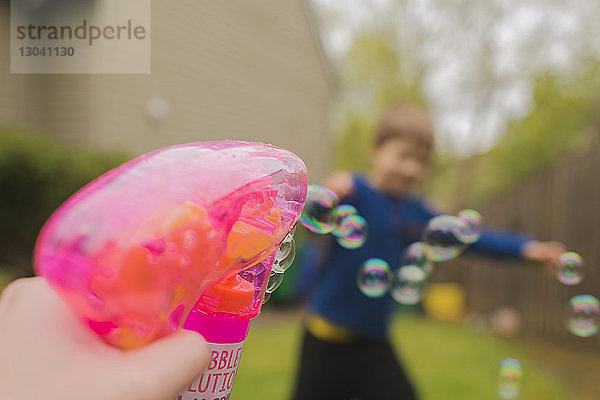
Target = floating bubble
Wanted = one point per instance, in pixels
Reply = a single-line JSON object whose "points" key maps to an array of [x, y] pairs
{"points": [[374, 277], [470, 216], [584, 313], [472, 220], [274, 281], [509, 380], [318, 210], [408, 284], [293, 231], [443, 238], [355, 227], [267, 297], [339, 213], [285, 255], [415, 255], [285, 248], [569, 268]]}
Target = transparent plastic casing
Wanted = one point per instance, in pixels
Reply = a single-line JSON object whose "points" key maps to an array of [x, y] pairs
{"points": [[133, 250]]}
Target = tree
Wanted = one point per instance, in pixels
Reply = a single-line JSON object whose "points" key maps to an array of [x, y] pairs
{"points": [[374, 76], [484, 67]]}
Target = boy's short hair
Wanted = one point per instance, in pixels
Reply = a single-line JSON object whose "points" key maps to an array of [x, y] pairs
{"points": [[405, 121]]}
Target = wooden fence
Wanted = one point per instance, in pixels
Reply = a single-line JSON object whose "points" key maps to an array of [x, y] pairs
{"points": [[560, 203]]}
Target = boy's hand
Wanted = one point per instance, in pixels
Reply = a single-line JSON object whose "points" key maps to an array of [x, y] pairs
{"points": [[544, 252], [340, 183], [47, 353]]}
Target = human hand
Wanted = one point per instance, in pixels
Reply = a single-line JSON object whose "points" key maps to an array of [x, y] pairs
{"points": [[340, 183], [543, 252], [47, 353]]}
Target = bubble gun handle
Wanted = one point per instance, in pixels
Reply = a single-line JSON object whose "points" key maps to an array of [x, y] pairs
{"points": [[222, 315]]}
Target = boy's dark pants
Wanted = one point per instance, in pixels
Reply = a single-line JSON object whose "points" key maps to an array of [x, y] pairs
{"points": [[364, 369]]}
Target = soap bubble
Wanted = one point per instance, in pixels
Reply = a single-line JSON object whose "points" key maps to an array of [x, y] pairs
{"points": [[472, 220], [339, 213], [274, 281], [444, 237], [355, 228], [285, 254], [374, 277], [509, 380], [470, 216], [318, 210], [267, 297], [408, 284], [415, 255], [286, 247], [583, 317], [569, 268]]}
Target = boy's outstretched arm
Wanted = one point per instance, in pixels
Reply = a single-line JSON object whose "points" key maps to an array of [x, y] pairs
{"points": [[341, 183], [47, 353], [503, 243], [544, 252]]}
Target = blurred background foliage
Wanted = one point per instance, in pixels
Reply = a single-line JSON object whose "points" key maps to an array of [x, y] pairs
{"points": [[37, 174], [563, 118]]}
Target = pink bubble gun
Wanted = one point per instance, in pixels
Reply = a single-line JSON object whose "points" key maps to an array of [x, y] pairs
{"points": [[223, 316], [196, 224]]}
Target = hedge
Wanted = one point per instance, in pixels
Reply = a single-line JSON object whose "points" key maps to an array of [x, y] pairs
{"points": [[37, 173]]}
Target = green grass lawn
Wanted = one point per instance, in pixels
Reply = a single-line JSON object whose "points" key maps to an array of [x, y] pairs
{"points": [[447, 361]]}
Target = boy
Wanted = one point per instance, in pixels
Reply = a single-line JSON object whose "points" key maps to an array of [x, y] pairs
{"points": [[345, 351]]}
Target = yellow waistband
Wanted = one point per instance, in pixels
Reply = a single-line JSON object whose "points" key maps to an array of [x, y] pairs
{"points": [[327, 330]]}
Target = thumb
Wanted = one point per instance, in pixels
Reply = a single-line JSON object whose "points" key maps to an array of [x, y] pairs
{"points": [[163, 368]]}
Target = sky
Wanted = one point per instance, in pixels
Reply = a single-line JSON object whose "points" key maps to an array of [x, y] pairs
{"points": [[472, 103]]}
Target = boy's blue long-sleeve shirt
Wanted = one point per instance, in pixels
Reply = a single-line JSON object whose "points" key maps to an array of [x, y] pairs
{"points": [[393, 224]]}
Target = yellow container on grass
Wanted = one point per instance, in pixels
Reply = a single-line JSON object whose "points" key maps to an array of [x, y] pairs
{"points": [[445, 301]]}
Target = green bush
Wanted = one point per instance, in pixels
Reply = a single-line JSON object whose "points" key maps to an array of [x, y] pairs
{"points": [[37, 174]]}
